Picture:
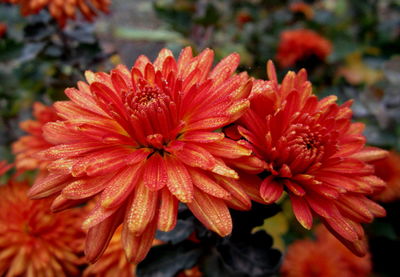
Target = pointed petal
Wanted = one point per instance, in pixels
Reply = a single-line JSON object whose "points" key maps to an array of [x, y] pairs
{"points": [[48, 185], [270, 190], [155, 174], [98, 215], [302, 211], [207, 185], [202, 137], [239, 200], [120, 187], [212, 212], [83, 188], [179, 181], [192, 155], [228, 148], [99, 236], [168, 211], [369, 154], [142, 209], [137, 247]]}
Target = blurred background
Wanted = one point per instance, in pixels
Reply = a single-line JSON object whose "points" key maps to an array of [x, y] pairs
{"points": [[350, 48]]}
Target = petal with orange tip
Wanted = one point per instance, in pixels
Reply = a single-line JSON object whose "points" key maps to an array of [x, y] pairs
{"points": [[369, 154], [206, 184], [192, 154], [168, 210], [212, 212], [136, 247], [99, 236], [120, 187], [301, 211], [142, 209], [239, 198], [270, 190], [228, 148], [179, 181], [44, 187], [155, 174]]}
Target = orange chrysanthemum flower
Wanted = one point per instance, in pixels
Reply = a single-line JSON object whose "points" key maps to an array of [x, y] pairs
{"points": [[312, 150], [298, 45], [144, 140], [62, 10], [35, 242], [325, 257], [389, 170], [27, 146]]}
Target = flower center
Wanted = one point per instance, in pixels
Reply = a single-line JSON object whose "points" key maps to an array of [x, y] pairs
{"points": [[152, 112]]}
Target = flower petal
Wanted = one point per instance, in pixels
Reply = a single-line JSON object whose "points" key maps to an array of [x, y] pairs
{"points": [[270, 190], [99, 236], [302, 211], [207, 185], [168, 211], [136, 247], [179, 181], [155, 174], [212, 212], [141, 210]]}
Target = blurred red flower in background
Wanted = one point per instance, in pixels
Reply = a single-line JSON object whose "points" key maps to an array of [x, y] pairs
{"points": [[144, 140], [312, 150], [62, 10], [34, 241], [325, 257], [27, 146], [389, 170], [304, 8], [3, 29], [298, 45]]}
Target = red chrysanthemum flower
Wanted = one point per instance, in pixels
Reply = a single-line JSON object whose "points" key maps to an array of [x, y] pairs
{"points": [[62, 10], [312, 150], [325, 257], [27, 146], [144, 140], [298, 45], [34, 241], [389, 170]]}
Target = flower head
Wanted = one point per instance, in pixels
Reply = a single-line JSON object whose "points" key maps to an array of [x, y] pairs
{"points": [[388, 170], [27, 146], [62, 10], [325, 257], [298, 45], [312, 150], [34, 241], [144, 140]]}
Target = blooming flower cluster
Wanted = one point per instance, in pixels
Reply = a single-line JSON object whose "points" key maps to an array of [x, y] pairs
{"points": [[62, 10], [140, 141], [323, 257]]}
